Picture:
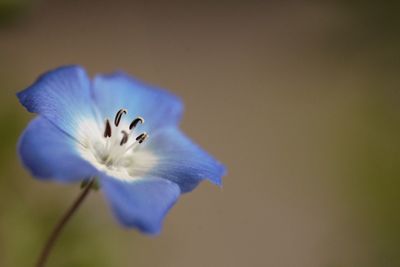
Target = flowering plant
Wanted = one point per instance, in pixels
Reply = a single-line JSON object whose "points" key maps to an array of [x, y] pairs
{"points": [[117, 133]]}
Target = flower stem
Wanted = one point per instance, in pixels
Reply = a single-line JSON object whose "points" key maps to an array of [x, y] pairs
{"points": [[60, 225]]}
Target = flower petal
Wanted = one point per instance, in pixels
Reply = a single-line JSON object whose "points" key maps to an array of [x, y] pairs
{"points": [[49, 153], [62, 96], [118, 90], [182, 161], [141, 203]]}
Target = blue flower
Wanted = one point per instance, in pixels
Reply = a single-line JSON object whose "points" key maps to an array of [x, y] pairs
{"points": [[120, 130]]}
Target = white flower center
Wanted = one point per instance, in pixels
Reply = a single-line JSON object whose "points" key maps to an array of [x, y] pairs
{"points": [[115, 149]]}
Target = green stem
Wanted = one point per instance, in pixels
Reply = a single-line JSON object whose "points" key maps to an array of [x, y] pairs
{"points": [[60, 225]]}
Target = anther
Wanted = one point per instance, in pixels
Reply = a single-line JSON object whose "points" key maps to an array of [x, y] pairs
{"points": [[107, 131], [118, 116], [124, 139], [135, 122], [142, 137]]}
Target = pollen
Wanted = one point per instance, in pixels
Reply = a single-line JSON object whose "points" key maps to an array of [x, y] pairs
{"points": [[135, 122], [118, 116], [107, 130]]}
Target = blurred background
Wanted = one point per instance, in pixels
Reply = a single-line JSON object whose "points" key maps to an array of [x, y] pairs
{"points": [[301, 101]]}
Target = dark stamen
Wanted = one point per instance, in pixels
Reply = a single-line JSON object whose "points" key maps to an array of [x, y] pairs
{"points": [[107, 131], [142, 137], [119, 116], [135, 122], [124, 138]]}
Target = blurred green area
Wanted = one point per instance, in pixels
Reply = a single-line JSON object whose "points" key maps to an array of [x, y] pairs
{"points": [[373, 156], [372, 169], [11, 10], [363, 47]]}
